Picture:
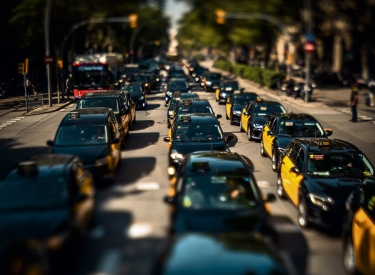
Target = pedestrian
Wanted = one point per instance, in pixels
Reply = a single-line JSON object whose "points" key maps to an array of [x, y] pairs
{"points": [[353, 102], [371, 91], [29, 87], [68, 87]]}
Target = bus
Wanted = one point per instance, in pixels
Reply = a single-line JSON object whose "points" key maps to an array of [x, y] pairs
{"points": [[94, 72]]}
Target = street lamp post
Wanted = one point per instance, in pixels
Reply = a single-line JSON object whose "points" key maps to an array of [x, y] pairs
{"points": [[47, 14], [308, 54], [132, 43]]}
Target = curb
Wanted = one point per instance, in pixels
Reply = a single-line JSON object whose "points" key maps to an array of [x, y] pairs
{"points": [[46, 110]]}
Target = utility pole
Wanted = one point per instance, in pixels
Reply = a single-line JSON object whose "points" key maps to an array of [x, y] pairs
{"points": [[308, 54], [47, 14]]}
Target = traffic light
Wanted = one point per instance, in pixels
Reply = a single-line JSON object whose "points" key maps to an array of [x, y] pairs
{"points": [[21, 68], [26, 65], [60, 63], [220, 16], [133, 18]]}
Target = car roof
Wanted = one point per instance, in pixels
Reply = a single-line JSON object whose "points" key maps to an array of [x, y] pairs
{"points": [[196, 102], [203, 118], [87, 116], [109, 93], [335, 145]]}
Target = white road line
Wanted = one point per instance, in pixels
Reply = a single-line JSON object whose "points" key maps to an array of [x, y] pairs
{"points": [[10, 121], [262, 183], [148, 186], [109, 263], [365, 118], [20, 117], [97, 232], [138, 230], [16, 119]]}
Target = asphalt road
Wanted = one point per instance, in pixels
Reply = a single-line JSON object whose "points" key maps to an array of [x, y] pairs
{"points": [[132, 218]]}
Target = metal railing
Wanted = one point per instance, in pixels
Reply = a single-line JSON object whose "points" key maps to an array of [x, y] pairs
{"points": [[35, 101]]}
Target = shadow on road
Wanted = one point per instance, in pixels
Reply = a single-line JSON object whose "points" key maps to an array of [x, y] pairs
{"points": [[132, 169], [138, 141], [141, 125]]}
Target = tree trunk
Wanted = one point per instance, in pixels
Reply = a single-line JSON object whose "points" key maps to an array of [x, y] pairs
{"points": [[364, 61], [337, 53]]}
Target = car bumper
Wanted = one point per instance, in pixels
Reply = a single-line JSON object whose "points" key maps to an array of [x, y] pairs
{"points": [[257, 134], [99, 173], [331, 219], [236, 118], [140, 103]]}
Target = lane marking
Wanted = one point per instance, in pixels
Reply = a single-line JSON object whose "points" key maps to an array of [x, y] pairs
{"points": [[109, 263], [148, 186], [138, 230], [262, 183], [20, 117], [97, 232]]}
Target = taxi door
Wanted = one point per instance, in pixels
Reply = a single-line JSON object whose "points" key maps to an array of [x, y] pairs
{"points": [[228, 107], [363, 232], [217, 92], [245, 117], [286, 170], [127, 116], [115, 151], [267, 138], [296, 178]]}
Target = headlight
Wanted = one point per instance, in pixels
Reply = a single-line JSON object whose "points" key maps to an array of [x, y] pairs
{"points": [[296, 88], [176, 155], [146, 84], [208, 82], [256, 125], [157, 79], [236, 112], [193, 74], [170, 113], [189, 91], [141, 98], [320, 201], [223, 94], [102, 161], [197, 79], [169, 93]]}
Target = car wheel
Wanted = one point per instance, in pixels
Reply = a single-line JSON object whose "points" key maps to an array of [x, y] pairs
{"points": [[241, 130], [274, 161], [249, 132], [349, 257], [262, 152], [302, 213], [280, 187]]}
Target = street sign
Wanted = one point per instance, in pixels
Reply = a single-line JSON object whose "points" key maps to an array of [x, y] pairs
{"points": [[309, 47], [48, 59]]}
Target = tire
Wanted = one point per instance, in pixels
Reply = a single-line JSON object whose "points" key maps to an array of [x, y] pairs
{"points": [[262, 151], [241, 130], [249, 138], [280, 188], [274, 160], [349, 257], [302, 213]]}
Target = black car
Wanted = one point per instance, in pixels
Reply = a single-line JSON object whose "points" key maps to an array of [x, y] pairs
{"points": [[217, 193], [117, 101], [235, 103], [226, 89], [176, 85], [359, 229], [177, 97], [47, 203], [255, 114], [140, 79], [279, 130], [194, 132], [221, 254], [93, 135], [211, 81], [137, 94], [317, 175]]}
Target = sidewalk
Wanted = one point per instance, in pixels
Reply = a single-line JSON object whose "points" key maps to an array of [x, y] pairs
{"points": [[48, 109]]}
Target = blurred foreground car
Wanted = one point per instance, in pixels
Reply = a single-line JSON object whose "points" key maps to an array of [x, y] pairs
{"points": [[221, 254], [359, 230], [318, 174], [93, 135], [46, 205]]}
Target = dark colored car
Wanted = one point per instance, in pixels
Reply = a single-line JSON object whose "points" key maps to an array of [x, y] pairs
{"points": [[279, 130], [255, 114], [220, 254], [217, 193], [93, 135], [226, 89], [317, 175], [137, 94], [198, 73], [117, 101], [140, 79], [46, 202], [175, 100], [235, 103], [211, 81], [195, 132], [174, 86], [358, 236]]}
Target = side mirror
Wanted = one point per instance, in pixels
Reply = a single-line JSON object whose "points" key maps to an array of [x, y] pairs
{"points": [[115, 141], [246, 113], [219, 116], [270, 133], [270, 198], [167, 139], [169, 199], [166, 105], [328, 131], [229, 138], [295, 170], [50, 142], [242, 89]]}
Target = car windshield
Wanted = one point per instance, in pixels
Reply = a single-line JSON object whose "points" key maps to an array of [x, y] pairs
{"points": [[30, 194], [243, 100], [137, 78], [335, 164], [300, 128], [195, 109], [214, 76], [230, 86], [186, 132], [178, 85], [219, 192], [133, 89], [99, 102], [268, 109], [81, 135]]}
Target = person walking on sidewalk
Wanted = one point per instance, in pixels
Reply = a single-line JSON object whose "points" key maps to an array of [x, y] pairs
{"points": [[353, 102]]}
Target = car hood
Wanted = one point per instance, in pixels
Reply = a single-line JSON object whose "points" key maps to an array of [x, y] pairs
{"points": [[282, 142], [185, 148], [25, 225], [237, 107], [260, 120], [182, 90], [135, 96], [88, 153]]}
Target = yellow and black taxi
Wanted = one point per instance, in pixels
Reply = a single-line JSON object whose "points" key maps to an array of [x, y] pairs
{"points": [[359, 230], [317, 175], [194, 132], [235, 103], [211, 81], [176, 86], [226, 89], [137, 94], [221, 254], [255, 114], [47, 202], [279, 130], [213, 192], [93, 135], [192, 106], [176, 100], [118, 102]]}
